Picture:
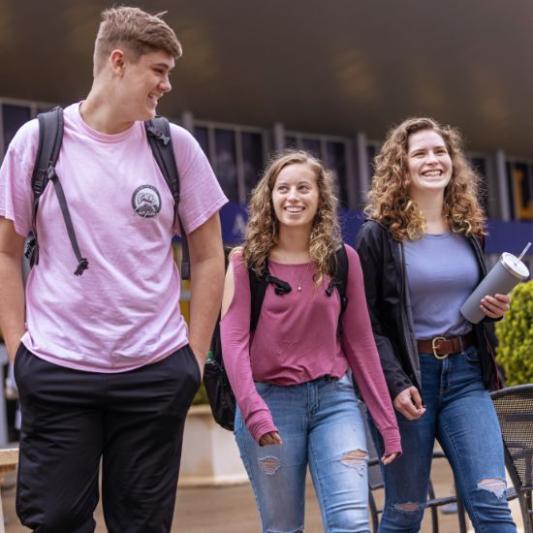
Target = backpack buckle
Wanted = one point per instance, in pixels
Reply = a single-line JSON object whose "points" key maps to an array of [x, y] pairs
{"points": [[38, 183], [165, 139], [31, 250]]}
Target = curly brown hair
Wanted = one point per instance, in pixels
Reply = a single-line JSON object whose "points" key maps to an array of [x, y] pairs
{"points": [[389, 200], [262, 229]]}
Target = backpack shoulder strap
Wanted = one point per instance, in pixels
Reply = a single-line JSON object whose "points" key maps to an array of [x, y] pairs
{"points": [[50, 140], [339, 281], [51, 125], [340, 278], [258, 287], [158, 133], [160, 141]]}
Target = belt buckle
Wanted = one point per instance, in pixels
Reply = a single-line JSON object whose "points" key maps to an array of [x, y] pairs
{"points": [[435, 346]]}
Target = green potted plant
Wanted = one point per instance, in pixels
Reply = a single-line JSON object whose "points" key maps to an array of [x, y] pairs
{"points": [[515, 336]]}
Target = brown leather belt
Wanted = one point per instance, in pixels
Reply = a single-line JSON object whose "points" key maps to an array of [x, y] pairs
{"points": [[442, 347]]}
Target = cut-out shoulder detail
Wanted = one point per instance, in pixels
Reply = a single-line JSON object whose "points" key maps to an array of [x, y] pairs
{"points": [[229, 290]]}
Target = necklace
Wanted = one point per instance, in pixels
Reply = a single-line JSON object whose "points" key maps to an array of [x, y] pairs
{"points": [[299, 277]]}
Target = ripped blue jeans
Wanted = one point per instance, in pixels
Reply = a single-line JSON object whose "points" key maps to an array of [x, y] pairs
{"points": [[460, 414], [322, 427]]}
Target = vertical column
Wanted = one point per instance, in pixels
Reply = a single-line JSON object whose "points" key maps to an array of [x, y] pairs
{"points": [[239, 156], [187, 121], [361, 150], [279, 136], [351, 181], [501, 175]]}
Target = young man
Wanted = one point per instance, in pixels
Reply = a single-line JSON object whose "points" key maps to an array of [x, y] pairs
{"points": [[104, 365]]}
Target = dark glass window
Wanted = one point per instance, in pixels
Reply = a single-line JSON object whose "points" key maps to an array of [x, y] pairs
{"points": [[509, 173], [252, 155], [336, 161], [523, 198], [480, 166], [226, 163], [371, 152], [202, 136], [14, 116], [312, 146], [291, 142], [42, 109]]}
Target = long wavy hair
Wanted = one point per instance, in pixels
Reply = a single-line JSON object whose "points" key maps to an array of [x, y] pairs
{"points": [[389, 200], [262, 230]]}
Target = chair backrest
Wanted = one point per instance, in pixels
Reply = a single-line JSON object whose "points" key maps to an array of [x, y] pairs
{"points": [[514, 407]]}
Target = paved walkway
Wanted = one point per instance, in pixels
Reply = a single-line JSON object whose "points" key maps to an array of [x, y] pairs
{"points": [[232, 509]]}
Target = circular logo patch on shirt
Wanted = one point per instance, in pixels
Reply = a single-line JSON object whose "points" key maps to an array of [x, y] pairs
{"points": [[146, 201]]}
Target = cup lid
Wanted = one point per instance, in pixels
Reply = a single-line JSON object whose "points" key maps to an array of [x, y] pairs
{"points": [[516, 268]]}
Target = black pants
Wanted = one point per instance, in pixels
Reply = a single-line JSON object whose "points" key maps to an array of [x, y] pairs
{"points": [[132, 421]]}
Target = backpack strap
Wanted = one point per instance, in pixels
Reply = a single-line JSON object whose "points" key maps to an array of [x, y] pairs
{"points": [[160, 141], [258, 287], [50, 139], [339, 280], [341, 276]]}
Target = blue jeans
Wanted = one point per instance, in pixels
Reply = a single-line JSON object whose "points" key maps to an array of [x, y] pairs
{"points": [[460, 414], [321, 425]]}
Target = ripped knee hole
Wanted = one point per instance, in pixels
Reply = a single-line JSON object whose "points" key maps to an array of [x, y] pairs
{"points": [[354, 458], [495, 485], [269, 465], [409, 507]]}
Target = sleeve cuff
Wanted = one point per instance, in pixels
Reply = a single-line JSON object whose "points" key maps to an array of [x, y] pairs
{"points": [[392, 441], [261, 427]]}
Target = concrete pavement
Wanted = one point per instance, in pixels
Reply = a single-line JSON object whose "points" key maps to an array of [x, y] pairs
{"points": [[232, 509]]}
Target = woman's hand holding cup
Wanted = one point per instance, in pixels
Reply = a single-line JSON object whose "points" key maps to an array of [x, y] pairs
{"points": [[495, 306]]}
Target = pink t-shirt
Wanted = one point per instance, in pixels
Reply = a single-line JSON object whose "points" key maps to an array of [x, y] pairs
{"points": [[123, 312], [296, 341]]}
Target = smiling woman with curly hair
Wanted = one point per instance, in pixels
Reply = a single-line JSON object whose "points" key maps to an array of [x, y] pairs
{"points": [[421, 254], [292, 376], [389, 201], [262, 231]]}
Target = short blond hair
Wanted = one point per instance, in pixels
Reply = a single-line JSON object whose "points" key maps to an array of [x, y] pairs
{"points": [[136, 31]]}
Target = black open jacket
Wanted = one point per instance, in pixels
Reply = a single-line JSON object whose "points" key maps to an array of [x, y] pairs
{"points": [[383, 263]]}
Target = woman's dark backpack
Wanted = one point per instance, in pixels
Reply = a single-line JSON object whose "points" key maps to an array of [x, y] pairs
{"points": [[217, 385]]}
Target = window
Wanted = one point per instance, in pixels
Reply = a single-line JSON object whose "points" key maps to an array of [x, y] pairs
{"points": [[520, 180], [313, 146], [334, 152], [480, 166], [252, 158], [226, 163], [13, 117], [202, 136], [372, 151], [237, 154], [336, 161]]}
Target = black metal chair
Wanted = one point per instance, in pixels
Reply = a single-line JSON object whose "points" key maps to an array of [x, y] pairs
{"points": [[375, 482], [514, 407]]}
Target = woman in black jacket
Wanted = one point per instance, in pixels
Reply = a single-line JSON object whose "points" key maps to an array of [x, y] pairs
{"points": [[421, 253]]}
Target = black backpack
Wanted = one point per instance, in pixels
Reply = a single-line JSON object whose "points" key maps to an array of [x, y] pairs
{"points": [[219, 393], [50, 139]]}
